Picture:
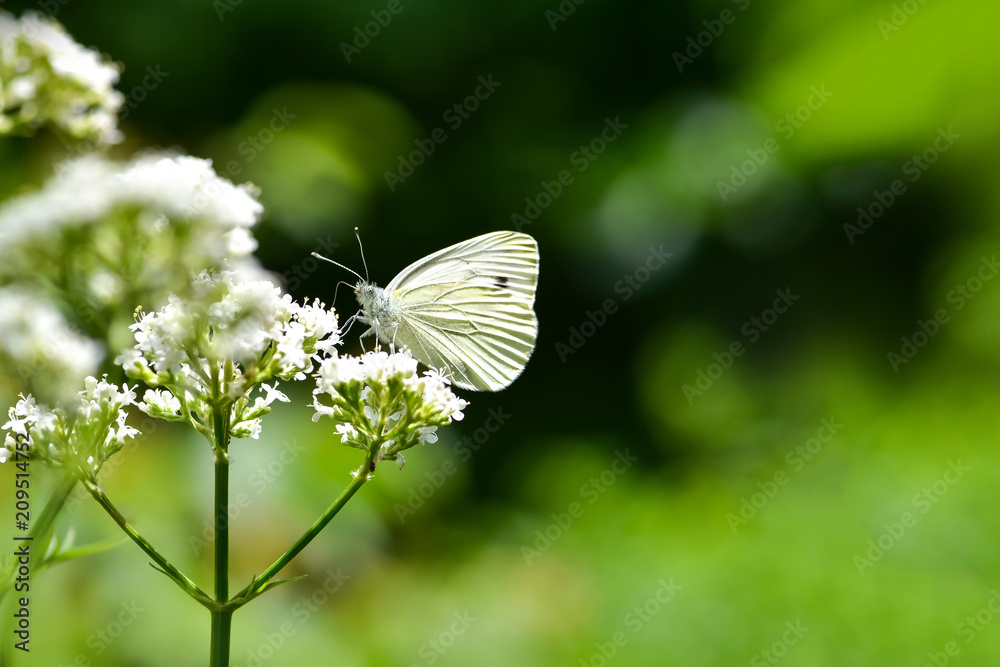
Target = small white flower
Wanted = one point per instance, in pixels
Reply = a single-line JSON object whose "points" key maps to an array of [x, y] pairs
{"points": [[158, 402], [247, 429], [22, 416], [272, 394], [324, 410], [347, 432]]}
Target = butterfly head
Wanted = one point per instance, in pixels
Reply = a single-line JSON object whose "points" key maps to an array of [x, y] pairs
{"points": [[374, 300], [367, 295]]}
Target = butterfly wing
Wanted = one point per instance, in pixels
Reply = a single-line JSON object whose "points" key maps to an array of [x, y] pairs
{"points": [[501, 259], [467, 309]]}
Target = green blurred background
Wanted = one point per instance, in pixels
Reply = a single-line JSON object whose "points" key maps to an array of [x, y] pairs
{"points": [[532, 546]]}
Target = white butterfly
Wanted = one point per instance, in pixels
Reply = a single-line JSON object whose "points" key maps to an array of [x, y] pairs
{"points": [[465, 310]]}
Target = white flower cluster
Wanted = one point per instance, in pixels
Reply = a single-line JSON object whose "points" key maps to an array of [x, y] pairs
{"points": [[213, 217], [80, 439], [46, 77], [39, 347], [108, 237], [379, 399], [213, 347]]}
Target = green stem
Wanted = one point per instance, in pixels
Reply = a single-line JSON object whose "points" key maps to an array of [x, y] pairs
{"points": [[361, 476], [164, 565], [222, 627], [222, 614]]}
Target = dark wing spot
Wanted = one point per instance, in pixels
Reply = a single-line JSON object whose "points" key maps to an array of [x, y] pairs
{"points": [[501, 281]]}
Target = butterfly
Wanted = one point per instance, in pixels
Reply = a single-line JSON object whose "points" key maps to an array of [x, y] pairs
{"points": [[466, 310]]}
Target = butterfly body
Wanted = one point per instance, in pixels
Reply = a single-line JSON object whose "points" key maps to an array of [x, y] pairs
{"points": [[378, 310], [466, 310]]}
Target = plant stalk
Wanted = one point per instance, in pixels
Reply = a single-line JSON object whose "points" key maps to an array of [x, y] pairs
{"points": [[222, 614]]}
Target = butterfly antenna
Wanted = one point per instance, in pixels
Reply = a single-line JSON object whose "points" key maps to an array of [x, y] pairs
{"points": [[327, 259], [336, 290], [357, 235]]}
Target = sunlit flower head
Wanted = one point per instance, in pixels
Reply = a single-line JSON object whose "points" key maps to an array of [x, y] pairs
{"points": [[226, 318], [226, 337], [380, 399]]}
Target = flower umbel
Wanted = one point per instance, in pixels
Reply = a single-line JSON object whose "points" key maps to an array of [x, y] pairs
{"points": [[379, 400], [212, 348], [79, 439]]}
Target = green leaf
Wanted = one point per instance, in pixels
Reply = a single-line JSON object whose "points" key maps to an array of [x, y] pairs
{"points": [[61, 555]]}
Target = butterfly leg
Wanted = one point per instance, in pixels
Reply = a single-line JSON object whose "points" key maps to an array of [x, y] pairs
{"points": [[372, 329], [392, 345]]}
